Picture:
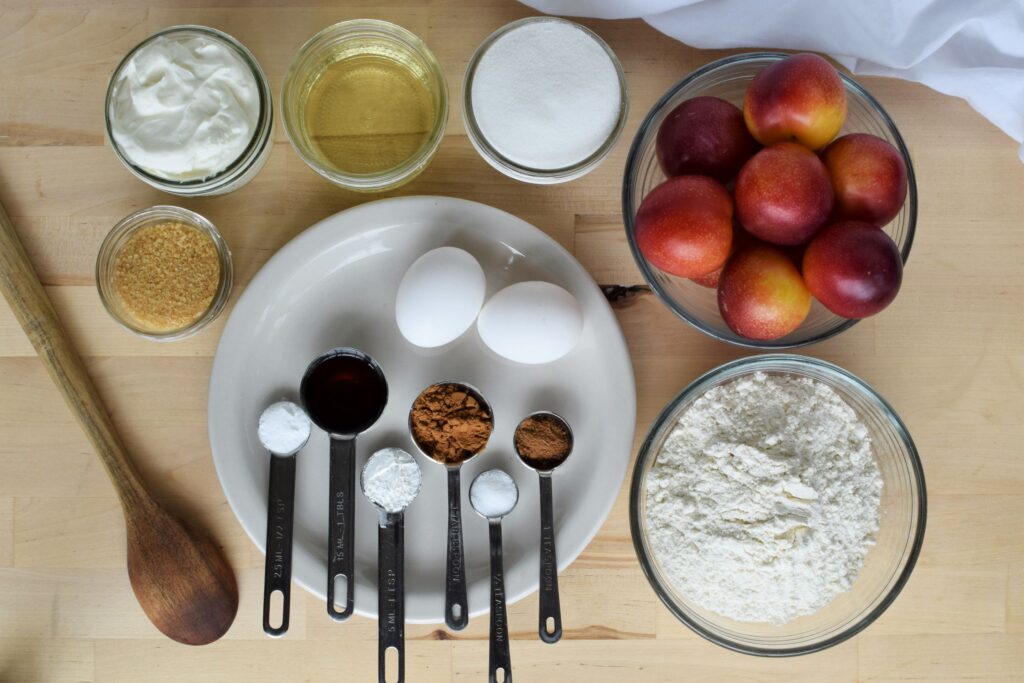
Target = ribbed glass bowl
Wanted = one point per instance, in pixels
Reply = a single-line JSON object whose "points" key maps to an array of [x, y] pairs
{"points": [[728, 79], [889, 562]]}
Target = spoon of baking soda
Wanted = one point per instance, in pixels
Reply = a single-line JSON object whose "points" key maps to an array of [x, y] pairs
{"points": [[493, 495], [544, 441], [391, 479], [283, 430], [451, 423], [344, 392]]}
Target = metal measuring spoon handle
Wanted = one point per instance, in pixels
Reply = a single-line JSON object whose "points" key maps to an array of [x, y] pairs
{"points": [[456, 614], [341, 525], [550, 607], [499, 657], [391, 594], [277, 573]]}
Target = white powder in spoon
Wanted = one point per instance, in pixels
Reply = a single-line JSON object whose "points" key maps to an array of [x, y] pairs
{"points": [[546, 94], [493, 494], [391, 479], [764, 500], [284, 428]]}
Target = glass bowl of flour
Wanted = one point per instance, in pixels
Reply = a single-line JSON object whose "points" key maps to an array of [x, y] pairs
{"points": [[778, 505]]}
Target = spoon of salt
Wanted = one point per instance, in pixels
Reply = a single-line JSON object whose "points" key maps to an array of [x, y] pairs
{"points": [[283, 430], [493, 495], [543, 441], [391, 479]]}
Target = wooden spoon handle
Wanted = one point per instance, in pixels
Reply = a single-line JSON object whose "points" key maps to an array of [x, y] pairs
{"points": [[180, 579], [32, 308]]}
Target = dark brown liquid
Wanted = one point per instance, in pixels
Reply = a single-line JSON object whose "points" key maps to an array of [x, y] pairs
{"points": [[344, 393]]}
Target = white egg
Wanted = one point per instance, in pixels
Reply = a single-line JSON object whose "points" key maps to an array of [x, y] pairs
{"points": [[439, 297], [531, 322]]}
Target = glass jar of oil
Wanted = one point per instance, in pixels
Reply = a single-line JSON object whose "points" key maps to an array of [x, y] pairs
{"points": [[365, 104]]}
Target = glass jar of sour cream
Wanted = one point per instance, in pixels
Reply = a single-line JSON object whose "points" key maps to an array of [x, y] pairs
{"points": [[189, 111]]}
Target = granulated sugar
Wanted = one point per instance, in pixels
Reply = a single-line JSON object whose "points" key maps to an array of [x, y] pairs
{"points": [[764, 500], [546, 95]]}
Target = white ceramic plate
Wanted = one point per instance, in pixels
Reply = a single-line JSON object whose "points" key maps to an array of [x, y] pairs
{"points": [[334, 285]]}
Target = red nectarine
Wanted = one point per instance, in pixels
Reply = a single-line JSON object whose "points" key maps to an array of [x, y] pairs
{"points": [[684, 226], [853, 268], [704, 136], [869, 178], [800, 98], [761, 295], [783, 194]]}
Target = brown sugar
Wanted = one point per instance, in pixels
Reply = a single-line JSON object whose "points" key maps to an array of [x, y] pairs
{"points": [[449, 423], [166, 275], [543, 441]]}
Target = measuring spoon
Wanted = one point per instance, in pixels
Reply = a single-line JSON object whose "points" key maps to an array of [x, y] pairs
{"points": [[283, 447], [344, 392], [456, 611], [493, 495], [544, 464], [391, 479]]}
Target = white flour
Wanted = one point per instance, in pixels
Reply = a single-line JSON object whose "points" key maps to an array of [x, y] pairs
{"points": [[391, 479], [764, 500]]}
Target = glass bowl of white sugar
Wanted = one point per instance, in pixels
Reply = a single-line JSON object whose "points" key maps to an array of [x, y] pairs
{"points": [[778, 505], [544, 100]]}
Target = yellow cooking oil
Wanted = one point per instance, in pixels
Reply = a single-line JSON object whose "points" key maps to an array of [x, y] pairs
{"points": [[370, 108]]}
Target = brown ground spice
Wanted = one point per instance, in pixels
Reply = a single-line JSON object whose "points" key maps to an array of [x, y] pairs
{"points": [[543, 441], [449, 423], [166, 275]]}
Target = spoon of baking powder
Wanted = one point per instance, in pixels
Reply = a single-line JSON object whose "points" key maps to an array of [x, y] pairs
{"points": [[493, 495], [283, 430], [543, 442], [391, 479]]}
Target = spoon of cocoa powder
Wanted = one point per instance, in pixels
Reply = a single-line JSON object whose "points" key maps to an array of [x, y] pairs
{"points": [[544, 441], [450, 423]]}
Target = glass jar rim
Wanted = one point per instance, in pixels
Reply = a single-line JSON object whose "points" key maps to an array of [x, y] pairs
{"points": [[346, 30], [253, 149], [520, 171], [136, 220]]}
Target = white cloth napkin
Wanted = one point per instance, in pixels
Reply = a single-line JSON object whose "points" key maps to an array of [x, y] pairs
{"points": [[972, 49]]}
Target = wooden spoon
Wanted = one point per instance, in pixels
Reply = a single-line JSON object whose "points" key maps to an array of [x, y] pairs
{"points": [[180, 578]]}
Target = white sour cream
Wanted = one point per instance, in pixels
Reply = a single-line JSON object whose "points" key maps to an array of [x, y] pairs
{"points": [[186, 106]]}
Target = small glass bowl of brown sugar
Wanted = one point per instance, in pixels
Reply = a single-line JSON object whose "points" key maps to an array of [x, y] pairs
{"points": [[164, 273]]}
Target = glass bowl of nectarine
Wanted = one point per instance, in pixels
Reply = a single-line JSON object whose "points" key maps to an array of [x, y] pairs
{"points": [[770, 201]]}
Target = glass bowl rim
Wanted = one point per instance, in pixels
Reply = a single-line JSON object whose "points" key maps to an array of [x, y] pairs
{"points": [[408, 169], [631, 169], [141, 218], [526, 173], [698, 387], [262, 133]]}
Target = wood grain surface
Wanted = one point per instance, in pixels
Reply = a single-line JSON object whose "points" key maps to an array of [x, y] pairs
{"points": [[949, 355]]}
